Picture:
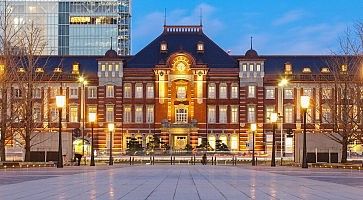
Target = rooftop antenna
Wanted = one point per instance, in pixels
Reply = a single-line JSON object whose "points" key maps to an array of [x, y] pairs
{"points": [[165, 17], [111, 43], [251, 41], [201, 16]]}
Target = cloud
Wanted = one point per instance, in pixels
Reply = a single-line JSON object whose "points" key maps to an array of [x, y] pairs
{"points": [[289, 17]]}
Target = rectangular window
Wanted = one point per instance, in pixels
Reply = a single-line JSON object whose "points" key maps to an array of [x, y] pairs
{"points": [[270, 93], [212, 91], [150, 92], [181, 92], [103, 68], [234, 92], [288, 94], [309, 115], [327, 93], [138, 91], [308, 92], [91, 109], [234, 114], [223, 91], [244, 67], [127, 91], [37, 115], [326, 114], [181, 115], [53, 114], [109, 91], [110, 113], [251, 67], [211, 114], [92, 92], [258, 67], [251, 91], [17, 93], [138, 114], [73, 93], [251, 115], [117, 68], [222, 114], [269, 110], [127, 114], [37, 93], [73, 114], [289, 114], [150, 114], [110, 68]]}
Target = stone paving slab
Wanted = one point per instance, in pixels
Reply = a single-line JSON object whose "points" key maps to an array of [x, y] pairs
{"points": [[174, 182]]}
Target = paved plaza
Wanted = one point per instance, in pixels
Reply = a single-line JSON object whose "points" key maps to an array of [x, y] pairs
{"points": [[180, 182]]}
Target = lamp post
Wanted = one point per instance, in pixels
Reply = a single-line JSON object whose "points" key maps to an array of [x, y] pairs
{"points": [[92, 119], [253, 129], [111, 128], [283, 82], [84, 82], [273, 118], [60, 102], [305, 102]]}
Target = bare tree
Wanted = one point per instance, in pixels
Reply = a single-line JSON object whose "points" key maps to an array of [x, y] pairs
{"points": [[342, 99]]}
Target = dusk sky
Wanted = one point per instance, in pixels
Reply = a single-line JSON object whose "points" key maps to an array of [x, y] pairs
{"points": [[278, 26]]}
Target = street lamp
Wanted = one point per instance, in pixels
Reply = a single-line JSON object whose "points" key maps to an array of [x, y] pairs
{"points": [[92, 119], [273, 118], [111, 128], [84, 82], [60, 102], [282, 83], [253, 129], [305, 102]]}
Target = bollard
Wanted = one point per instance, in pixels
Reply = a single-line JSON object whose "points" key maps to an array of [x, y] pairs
{"points": [[130, 160], [215, 160], [191, 160], [171, 160], [150, 161], [256, 161], [153, 160], [174, 160], [194, 160]]}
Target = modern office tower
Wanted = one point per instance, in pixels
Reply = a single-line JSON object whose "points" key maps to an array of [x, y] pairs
{"points": [[78, 27]]}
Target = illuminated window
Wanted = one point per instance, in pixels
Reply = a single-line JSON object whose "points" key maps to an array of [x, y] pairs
{"points": [[181, 92], [344, 68], [309, 115], [223, 91], [91, 109], [127, 114], [138, 114], [251, 113], [234, 114], [150, 114], [212, 91], [21, 70], [251, 91], [258, 67], [234, 142], [251, 67], [73, 114], [288, 68], [223, 139], [103, 68], [288, 114], [57, 70], [288, 94], [211, 114], [39, 70], [149, 91], [222, 114], [17, 93], [75, 68], [212, 141], [37, 115], [109, 113], [109, 91], [306, 70], [327, 93], [181, 115], [270, 93], [92, 92], [325, 70], [200, 46], [138, 91], [117, 68], [308, 92], [234, 92], [163, 46], [269, 110], [110, 68], [37, 93], [326, 114], [127, 90], [2, 68], [244, 67], [80, 20]]}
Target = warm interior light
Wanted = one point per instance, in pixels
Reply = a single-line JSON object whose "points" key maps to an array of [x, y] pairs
{"points": [[305, 102], [60, 100], [81, 79], [92, 117], [273, 117], [111, 127], [253, 127]]}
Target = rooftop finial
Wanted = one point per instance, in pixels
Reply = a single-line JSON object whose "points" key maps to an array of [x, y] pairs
{"points": [[251, 42], [165, 17], [111, 43], [201, 16]]}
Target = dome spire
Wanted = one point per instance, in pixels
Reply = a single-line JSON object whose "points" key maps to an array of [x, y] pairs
{"points": [[251, 42]]}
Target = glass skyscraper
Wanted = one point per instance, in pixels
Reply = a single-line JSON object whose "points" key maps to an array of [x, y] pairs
{"points": [[78, 27]]}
